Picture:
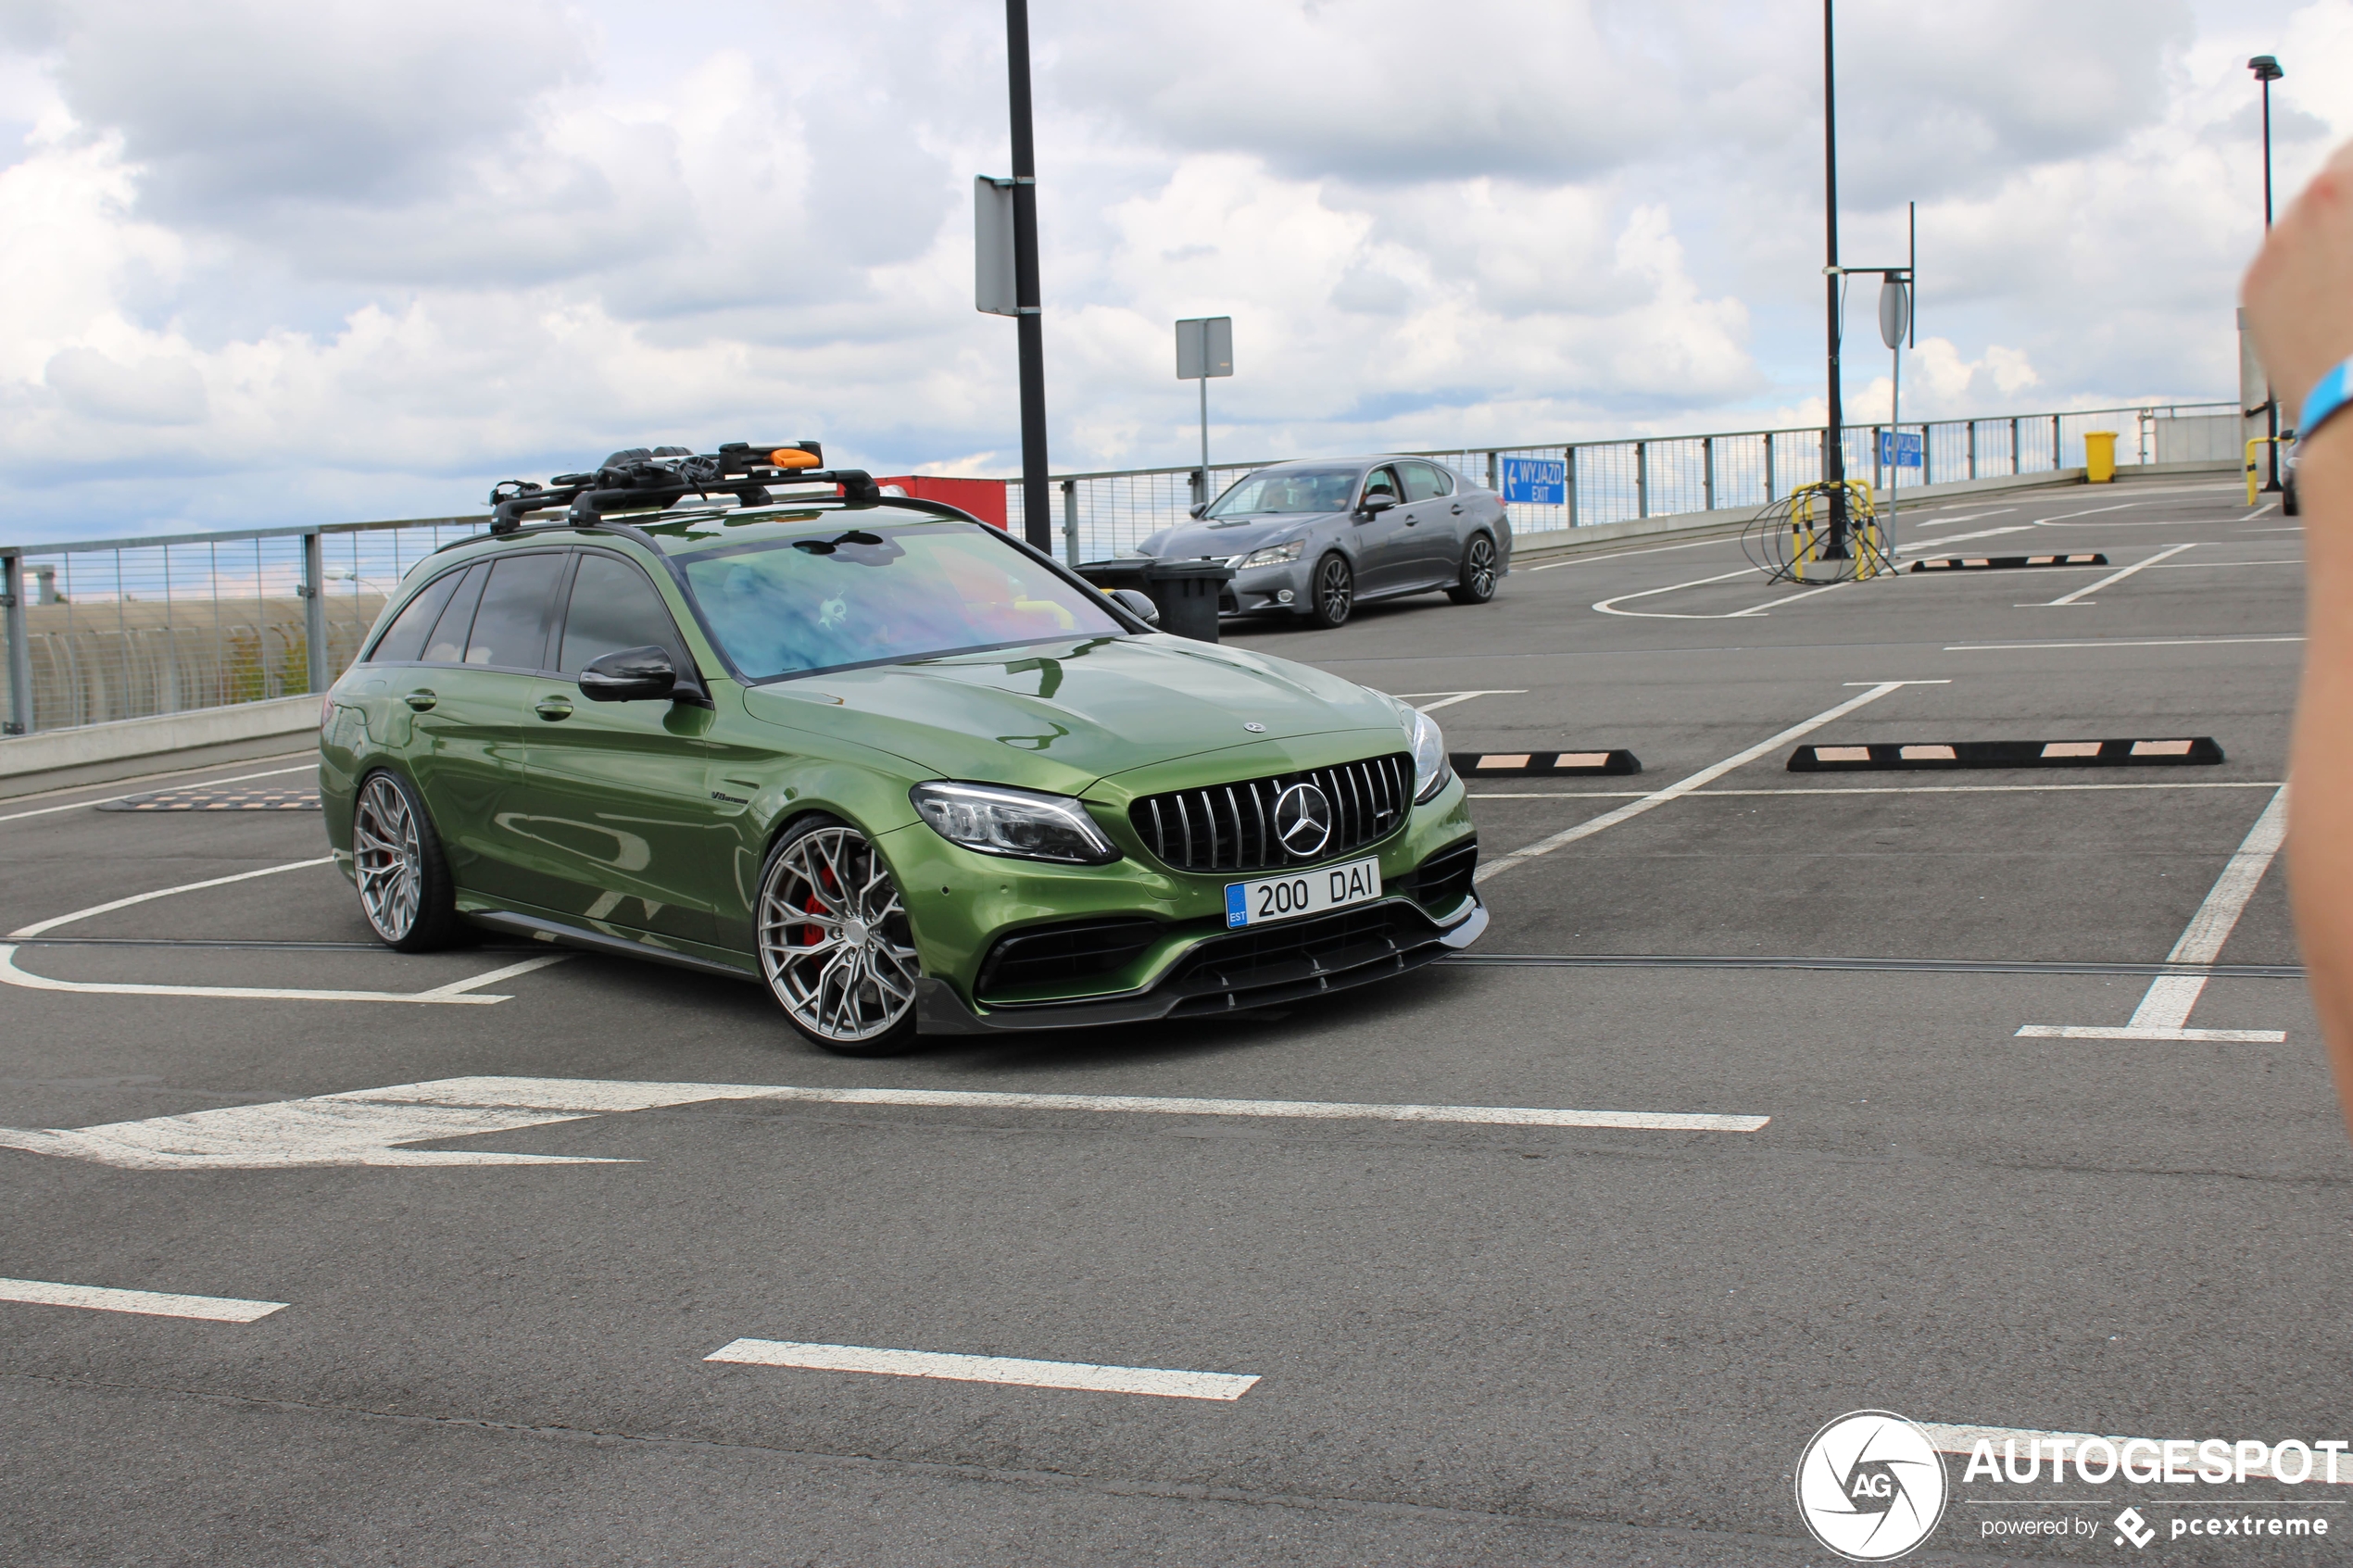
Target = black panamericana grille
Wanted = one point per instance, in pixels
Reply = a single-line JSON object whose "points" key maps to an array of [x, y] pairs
{"points": [[1079, 950], [1444, 880], [1232, 827]]}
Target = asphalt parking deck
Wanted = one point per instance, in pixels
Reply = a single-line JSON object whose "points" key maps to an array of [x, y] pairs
{"points": [[1474, 1340]]}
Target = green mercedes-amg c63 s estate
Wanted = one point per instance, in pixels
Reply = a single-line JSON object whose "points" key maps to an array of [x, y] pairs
{"points": [[910, 773]]}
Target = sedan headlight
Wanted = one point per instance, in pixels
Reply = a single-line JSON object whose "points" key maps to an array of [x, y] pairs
{"points": [[1430, 768], [1273, 555], [1019, 823]]}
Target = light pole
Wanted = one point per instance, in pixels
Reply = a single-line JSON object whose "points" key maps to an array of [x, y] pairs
{"points": [[2267, 71], [1037, 522], [1833, 441]]}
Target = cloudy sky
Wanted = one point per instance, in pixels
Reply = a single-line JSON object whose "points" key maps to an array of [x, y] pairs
{"points": [[268, 261]]}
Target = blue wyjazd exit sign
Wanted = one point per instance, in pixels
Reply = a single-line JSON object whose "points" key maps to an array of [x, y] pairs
{"points": [[1538, 481]]}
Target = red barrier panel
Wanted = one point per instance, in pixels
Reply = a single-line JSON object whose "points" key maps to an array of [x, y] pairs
{"points": [[985, 498]]}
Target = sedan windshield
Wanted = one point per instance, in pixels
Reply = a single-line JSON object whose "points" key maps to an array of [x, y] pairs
{"points": [[1288, 490], [877, 594]]}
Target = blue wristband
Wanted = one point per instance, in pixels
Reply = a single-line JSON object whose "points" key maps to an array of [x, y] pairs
{"points": [[2327, 397]]}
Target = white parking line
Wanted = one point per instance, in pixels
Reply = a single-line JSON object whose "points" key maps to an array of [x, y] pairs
{"points": [[1919, 521], [2077, 596], [1607, 605], [37, 927], [1940, 544], [200, 783], [458, 993], [1448, 699], [368, 1127], [1868, 789], [2089, 511], [1619, 555], [2114, 643], [2166, 1007], [988, 1369], [149, 1303], [1680, 787]]}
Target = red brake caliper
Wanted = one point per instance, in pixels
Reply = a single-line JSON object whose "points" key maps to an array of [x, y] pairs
{"points": [[809, 935]]}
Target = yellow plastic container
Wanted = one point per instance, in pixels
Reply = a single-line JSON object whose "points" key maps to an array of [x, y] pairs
{"points": [[2100, 455]]}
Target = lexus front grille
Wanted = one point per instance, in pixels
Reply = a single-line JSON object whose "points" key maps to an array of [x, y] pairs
{"points": [[1232, 827]]}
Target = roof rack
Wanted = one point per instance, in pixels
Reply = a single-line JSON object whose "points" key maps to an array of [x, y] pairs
{"points": [[644, 479]]}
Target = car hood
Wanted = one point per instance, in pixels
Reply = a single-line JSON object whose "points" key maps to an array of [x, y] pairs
{"points": [[1189, 541], [1058, 716]]}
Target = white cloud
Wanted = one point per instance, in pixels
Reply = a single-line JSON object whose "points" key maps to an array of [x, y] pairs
{"points": [[335, 259]]}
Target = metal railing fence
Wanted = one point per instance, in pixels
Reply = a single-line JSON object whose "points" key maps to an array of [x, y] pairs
{"points": [[129, 628], [1104, 514]]}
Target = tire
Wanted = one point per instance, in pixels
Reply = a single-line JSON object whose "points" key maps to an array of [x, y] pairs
{"points": [[2288, 505], [1332, 593], [1476, 585], [406, 892], [835, 944]]}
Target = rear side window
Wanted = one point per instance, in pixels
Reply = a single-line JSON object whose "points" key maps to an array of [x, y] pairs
{"points": [[510, 630], [614, 607], [447, 644], [1423, 482], [403, 640]]}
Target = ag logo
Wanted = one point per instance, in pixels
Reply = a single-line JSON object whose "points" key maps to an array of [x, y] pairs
{"points": [[1871, 1487], [1303, 820]]}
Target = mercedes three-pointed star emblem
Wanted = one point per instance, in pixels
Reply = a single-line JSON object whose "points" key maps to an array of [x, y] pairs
{"points": [[1303, 820]]}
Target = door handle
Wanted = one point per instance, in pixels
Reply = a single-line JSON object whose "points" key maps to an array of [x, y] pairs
{"points": [[553, 708], [1458, 508], [420, 700]]}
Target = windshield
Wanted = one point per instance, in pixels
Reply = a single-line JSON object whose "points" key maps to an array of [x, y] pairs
{"points": [[1288, 490], [867, 596]]}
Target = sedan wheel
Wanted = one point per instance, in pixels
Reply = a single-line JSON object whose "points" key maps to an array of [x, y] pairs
{"points": [[1334, 593], [395, 860], [1476, 585], [835, 944]]}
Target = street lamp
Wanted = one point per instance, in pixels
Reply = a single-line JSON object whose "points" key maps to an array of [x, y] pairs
{"points": [[2267, 71], [1834, 437]]}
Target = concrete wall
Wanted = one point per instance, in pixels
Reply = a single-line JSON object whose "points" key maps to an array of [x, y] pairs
{"points": [[130, 747]]}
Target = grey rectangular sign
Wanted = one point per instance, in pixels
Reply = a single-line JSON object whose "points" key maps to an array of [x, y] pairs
{"points": [[1204, 347], [993, 246]]}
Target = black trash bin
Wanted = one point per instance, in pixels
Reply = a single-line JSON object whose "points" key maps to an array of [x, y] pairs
{"points": [[1187, 591]]}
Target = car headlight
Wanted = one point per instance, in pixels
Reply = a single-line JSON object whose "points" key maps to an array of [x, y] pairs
{"points": [[1273, 555], [1430, 768], [1019, 823]]}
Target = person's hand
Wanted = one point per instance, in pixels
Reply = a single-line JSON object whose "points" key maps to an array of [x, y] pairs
{"points": [[2299, 293]]}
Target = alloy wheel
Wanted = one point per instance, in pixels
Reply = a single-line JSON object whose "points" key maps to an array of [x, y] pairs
{"points": [[834, 939], [1335, 591], [389, 858], [1479, 568]]}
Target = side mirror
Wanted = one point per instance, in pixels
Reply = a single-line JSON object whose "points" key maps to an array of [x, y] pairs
{"points": [[630, 675], [1376, 504], [1138, 604], [1198, 508]]}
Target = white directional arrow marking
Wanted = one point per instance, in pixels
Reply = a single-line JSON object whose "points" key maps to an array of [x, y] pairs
{"points": [[368, 1126]]}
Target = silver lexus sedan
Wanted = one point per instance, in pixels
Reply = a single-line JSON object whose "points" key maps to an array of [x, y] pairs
{"points": [[1317, 537]]}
